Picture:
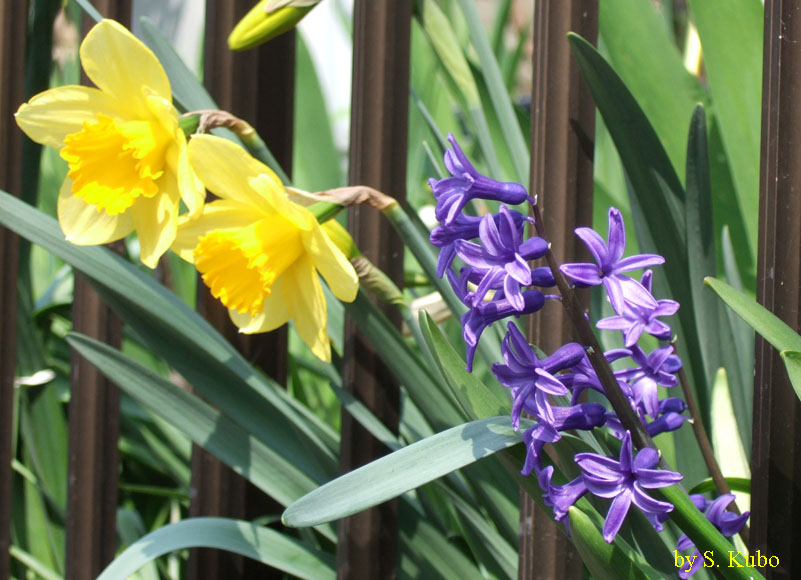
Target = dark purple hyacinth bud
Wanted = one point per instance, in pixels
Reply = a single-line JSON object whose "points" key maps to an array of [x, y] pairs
{"points": [[463, 227], [624, 482], [609, 262], [641, 315], [560, 497], [668, 422], [655, 369], [475, 320], [728, 523], [453, 193], [551, 420], [501, 257], [524, 373]]}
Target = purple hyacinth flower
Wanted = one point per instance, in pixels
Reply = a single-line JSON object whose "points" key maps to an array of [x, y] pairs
{"points": [[524, 373], [463, 227], [501, 258], [550, 421], [583, 375], [560, 497], [475, 320], [610, 263], [728, 523], [638, 317], [625, 482], [453, 193], [655, 369]]}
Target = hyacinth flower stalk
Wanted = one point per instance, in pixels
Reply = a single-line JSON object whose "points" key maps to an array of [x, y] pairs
{"points": [[127, 155], [258, 252], [530, 380]]}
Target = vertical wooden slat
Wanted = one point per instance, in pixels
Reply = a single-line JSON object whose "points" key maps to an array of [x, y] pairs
{"points": [[12, 81], [93, 419], [258, 86], [367, 545], [562, 134], [776, 453]]}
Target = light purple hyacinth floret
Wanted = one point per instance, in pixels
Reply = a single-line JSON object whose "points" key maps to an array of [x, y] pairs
{"points": [[625, 481], [495, 281], [609, 261]]}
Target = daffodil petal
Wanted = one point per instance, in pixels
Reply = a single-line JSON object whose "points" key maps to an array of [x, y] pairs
{"points": [[120, 65], [332, 264], [226, 169], [273, 315], [306, 304], [218, 215], [274, 193], [84, 225], [192, 190], [156, 221], [52, 115]]}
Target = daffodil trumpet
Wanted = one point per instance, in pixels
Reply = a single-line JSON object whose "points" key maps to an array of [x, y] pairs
{"points": [[127, 154], [258, 252]]}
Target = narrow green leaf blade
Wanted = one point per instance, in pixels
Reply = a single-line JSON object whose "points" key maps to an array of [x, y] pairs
{"points": [[792, 360], [403, 470], [261, 544]]}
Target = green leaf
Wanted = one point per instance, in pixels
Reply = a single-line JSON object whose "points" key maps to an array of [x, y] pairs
{"points": [[741, 484], [643, 54], [401, 471], [731, 37], [501, 102], [776, 332], [261, 544], [792, 360], [476, 399], [604, 561], [182, 337], [449, 51], [277, 476]]}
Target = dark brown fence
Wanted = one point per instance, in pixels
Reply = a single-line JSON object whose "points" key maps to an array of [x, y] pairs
{"points": [[562, 142]]}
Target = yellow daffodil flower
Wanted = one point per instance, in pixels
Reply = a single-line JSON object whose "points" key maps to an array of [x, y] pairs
{"points": [[127, 156], [259, 252]]}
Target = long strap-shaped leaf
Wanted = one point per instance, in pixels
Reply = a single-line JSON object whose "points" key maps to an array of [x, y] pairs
{"points": [[262, 544], [403, 470]]}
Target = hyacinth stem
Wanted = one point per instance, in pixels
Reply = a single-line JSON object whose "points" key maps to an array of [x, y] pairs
{"points": [[706, 447], [618, 400]]}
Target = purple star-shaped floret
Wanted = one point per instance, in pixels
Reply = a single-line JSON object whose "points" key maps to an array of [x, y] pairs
{"points": [[463, 227], [583, 375], [501, 258], [560, 497], [475, 320], [728, 523], [625, 482], [609, 262], [656, 368], [524, 373], [453, 193], [641, 315]]}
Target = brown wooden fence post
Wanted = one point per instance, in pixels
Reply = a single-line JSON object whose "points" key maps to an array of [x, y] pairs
{"points": [[776, 452], [258, 86], [562, 136], [12, 81], [368, 542], [91, 528]]}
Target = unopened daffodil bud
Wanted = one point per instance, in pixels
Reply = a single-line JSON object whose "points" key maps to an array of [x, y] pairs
{"points": [[266, 20]]}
